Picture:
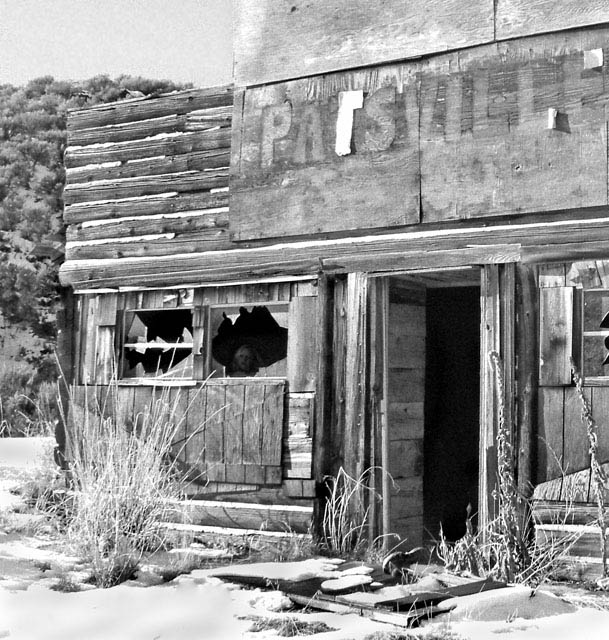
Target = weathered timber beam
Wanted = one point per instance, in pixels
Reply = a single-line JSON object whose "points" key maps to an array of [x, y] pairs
{"points": [[205, 267], [168, 203], [220, 117], [577, 250], [405, 251], [249, 515], [142, 108], [195, 161], [162, 244], [186, 222], [182, 142], [146, 185], [517, 18]]}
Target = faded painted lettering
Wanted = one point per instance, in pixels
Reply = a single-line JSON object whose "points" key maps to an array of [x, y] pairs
{"points": [[276, 123]]}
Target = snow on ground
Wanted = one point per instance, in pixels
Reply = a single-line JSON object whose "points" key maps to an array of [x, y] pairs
{"points": [[199, 606]]}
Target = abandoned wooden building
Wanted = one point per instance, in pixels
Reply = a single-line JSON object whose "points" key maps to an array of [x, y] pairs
{"points": [[400, 191]]}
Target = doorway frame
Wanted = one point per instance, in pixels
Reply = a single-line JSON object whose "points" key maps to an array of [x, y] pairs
{"points": [[497, 334]]}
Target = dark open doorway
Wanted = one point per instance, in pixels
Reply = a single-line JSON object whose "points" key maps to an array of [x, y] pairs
{"points": [[451, 440]]}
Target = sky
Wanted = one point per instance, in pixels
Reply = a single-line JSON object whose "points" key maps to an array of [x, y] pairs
{"points": [[179, 40]]}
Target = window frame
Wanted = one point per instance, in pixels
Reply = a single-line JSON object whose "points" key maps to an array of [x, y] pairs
{"points": [[208, 337], [122, 345], [201, 343], [581, 333]]}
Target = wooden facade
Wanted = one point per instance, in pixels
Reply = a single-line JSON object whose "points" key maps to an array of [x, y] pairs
{"points": [[424, 187]]}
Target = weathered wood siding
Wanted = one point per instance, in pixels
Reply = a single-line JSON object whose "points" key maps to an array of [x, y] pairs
{"points": [[458, 136], [149, 177], [278, 41], [406, 360]]}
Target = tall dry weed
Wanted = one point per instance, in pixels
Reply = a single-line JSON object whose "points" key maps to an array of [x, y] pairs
{"points": [[599, 477], [124, 481], [504, 548]]}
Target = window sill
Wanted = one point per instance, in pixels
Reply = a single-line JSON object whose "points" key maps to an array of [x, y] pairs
{"points": [[187, 382], [242, 380], [596, 381], [157, 382]]}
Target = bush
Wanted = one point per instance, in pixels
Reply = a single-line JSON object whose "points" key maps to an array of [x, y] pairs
{"points": [[28, 406], [124, 482]]}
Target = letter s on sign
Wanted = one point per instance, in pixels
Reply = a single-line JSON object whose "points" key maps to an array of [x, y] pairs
{"points": [[380, 107], [276, 123]]}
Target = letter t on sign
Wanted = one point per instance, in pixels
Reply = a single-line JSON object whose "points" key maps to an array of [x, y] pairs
{"points": [[348, 101]]}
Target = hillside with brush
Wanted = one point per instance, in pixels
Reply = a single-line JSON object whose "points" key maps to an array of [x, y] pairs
{"points": [[32, 143]]}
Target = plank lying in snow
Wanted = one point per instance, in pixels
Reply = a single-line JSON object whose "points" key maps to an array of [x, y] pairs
{"points": [[344, 584], [316, 568], [406, 619]]}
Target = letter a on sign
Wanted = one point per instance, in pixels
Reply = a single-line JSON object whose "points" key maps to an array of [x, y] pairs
{"points": [[348, 101]]}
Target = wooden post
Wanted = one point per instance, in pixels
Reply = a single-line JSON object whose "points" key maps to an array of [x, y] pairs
{"points": [[355, 458], [386, 484], [336, 436], [322, 435], [374, 408], [497, 334], [526, 374], [356, 436], [489, 341], [379, 482]]}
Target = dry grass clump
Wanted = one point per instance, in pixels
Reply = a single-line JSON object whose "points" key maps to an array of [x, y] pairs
{"points": [[289, 627], [123, 482], [65, 585], [346, 514], [483, 553]]}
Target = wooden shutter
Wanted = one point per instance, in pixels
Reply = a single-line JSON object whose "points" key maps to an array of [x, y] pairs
{"points": [[302, 344], [555, 335], [240, 431]]}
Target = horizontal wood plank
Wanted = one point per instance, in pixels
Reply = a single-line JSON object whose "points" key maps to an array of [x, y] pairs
{"points": [[219, 117], [188, 142], [413, 250], [185, 181], [194, 161], [517, 18], [187, 222], [273, 39], [170, 203], [165, 244], [150, 107], [249, 516]]}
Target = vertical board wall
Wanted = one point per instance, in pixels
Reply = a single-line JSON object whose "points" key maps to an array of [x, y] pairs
{"points": [[406, 391]]}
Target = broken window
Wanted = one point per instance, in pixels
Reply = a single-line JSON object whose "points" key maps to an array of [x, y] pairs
{"points": [[596, 333], [249, 341], [158, 343]]}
